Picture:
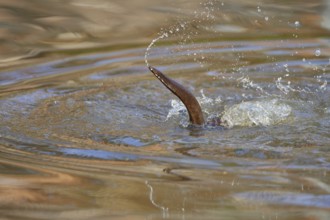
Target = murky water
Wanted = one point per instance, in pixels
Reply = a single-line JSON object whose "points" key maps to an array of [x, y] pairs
{"points": [[87, 132]]}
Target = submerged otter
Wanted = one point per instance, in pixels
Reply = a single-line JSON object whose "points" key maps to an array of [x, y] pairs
{"points": [[194, 109]]}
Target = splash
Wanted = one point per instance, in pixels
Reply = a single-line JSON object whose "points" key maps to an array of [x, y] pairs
{"points": [[209, 107], [184, 33], [250, 113], [256, 113], [167, 33], [247, 83], [162, 36]]}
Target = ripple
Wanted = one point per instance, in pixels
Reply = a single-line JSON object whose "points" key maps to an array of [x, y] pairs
{"points": [[282, 198], [111, 98], [88, 132]]}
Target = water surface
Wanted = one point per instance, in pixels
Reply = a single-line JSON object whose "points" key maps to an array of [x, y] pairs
{"points": [[88, 132]]}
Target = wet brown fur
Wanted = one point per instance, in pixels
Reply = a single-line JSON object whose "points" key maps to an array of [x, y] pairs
{"points": [[194, 109]]}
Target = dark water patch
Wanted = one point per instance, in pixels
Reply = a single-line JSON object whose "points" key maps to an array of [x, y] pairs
{"points": [[9, 169]]}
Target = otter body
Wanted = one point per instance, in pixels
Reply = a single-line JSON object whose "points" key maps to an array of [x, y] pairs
{"points": [[194, 109]]}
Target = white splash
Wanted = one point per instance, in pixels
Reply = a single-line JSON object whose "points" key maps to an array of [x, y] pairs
{"points": [[247, 83], [266, 112], [206, 103], [181, 30], [323, 87], [177, 108], [163, 35]]}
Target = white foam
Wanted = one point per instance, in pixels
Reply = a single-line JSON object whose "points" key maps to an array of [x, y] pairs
{"points": [[266, 112]]}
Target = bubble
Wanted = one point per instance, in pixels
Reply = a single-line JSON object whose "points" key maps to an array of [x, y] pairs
{"points": [[317, 52], [297, 23]]}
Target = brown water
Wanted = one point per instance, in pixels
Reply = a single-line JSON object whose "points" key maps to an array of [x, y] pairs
{"points": [[88, 133]]}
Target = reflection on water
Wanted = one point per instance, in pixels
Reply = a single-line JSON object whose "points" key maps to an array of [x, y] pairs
{"points": [[87, 131]]}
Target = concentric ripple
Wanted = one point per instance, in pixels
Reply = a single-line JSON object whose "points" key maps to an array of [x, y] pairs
{"points": [[90, 133]]}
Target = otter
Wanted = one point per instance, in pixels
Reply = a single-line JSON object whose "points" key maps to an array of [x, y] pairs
{"points": [[189, 100]]}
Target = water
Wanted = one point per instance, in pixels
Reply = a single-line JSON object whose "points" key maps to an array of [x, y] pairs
{"points": [[88, 132]]}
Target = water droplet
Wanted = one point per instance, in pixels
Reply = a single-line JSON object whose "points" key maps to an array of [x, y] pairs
{"points": [[259, 10], [182, 25], [317, 52]]}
